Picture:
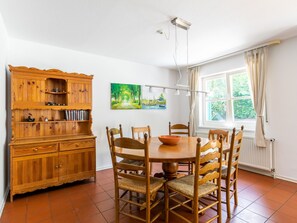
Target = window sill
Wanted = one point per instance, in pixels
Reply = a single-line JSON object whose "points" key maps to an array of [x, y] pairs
{"points": [[205, 129]]}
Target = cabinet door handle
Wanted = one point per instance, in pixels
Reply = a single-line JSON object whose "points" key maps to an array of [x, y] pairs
{"points": [[60, 165], [57, 166], [35, 150]]}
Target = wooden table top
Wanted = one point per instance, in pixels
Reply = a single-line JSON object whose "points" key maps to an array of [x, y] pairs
{"points": [[185, 150]]}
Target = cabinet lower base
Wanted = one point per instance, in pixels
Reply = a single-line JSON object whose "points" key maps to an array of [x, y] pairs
{"points": [[41, 187]]}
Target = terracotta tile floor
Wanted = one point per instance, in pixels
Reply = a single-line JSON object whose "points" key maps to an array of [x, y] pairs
{"points": [[261, 199]]}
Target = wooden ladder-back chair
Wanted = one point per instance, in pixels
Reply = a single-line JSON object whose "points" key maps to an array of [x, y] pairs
{"points": [[118, 133], [230, 172], [138, 132], [216, 133], [181, 129], [200, 191], [126, 180]]}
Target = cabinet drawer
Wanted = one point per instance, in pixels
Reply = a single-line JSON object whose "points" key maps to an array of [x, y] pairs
{"points": [[77, 144], [33, 149]]}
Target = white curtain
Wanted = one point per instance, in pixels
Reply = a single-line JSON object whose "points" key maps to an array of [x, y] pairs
{"points": [[256, 64], [193, 83]]}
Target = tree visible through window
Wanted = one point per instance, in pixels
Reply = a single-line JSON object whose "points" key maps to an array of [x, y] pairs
{"points": [[229, 98]]}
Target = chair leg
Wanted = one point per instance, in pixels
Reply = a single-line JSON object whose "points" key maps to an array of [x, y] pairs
{"points": [[192, 168], [148, 210], [189, 168], [166, 204], [117, 206], [235, 192], [219, 206], [151, 168], [228, 199]]}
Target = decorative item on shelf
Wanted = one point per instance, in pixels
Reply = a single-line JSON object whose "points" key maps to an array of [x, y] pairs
{"points": [[169, 140], [30, 118], [46, 119], [50, 103], [56, 90]]}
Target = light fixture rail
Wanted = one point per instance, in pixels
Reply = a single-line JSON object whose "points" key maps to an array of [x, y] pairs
{"points": [[174, 88]]}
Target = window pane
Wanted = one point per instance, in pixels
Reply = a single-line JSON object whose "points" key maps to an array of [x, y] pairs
{"points": [[216, 88], [216, 110], [240, 85], [243, 110]]}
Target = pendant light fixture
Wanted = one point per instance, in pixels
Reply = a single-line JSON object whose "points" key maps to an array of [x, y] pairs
{"points": [[185, 25]]}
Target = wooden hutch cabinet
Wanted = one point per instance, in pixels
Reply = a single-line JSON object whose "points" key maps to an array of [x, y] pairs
{"points": [[51, 118]]}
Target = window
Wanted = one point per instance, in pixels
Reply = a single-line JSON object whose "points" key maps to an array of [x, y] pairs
{"points": [[229, 101]]}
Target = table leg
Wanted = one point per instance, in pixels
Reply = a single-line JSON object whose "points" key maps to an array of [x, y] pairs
{"points": [[170, 170]]}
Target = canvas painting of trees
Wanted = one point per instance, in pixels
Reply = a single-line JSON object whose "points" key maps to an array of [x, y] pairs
{"points": [[133, 96], [125, 96]]}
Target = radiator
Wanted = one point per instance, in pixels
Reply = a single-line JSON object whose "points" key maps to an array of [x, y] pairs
{"points": [[257, 157]]}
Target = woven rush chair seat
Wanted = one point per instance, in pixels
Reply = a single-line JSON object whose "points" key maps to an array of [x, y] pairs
{"points": [[140, 186], [185, 185], [133, 162], [225, 171]]}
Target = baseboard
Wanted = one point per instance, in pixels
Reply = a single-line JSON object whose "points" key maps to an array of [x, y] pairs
{"points": [[267, 173], [104, 167], [286, 179], [256, 170], [4, 200]]}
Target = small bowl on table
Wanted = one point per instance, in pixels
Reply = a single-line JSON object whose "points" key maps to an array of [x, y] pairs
{"points": [[169, 140]]}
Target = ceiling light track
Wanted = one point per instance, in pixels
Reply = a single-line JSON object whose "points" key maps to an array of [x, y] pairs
{"points": [[174, 88]]}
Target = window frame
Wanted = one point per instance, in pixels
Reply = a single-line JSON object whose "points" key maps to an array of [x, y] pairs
{"points": [[230, 121]]}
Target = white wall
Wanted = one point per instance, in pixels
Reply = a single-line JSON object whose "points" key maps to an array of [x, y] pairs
{"points": [[105, 70], [3, 143], [281, 101], [282, 106]]}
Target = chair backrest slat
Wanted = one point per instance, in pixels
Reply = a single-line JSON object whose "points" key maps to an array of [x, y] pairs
{"points": [[179, 129]]}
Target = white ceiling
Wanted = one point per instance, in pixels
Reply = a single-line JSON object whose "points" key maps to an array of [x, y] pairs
{"points": [[126, 29]]}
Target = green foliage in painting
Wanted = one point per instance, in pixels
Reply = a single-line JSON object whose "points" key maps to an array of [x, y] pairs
{"points": [[154, 103], [125, 96]]}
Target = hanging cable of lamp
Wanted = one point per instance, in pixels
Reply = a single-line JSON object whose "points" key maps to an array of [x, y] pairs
{"points": [[178, 23]]}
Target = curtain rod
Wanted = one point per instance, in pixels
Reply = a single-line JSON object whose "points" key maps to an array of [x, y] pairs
{"points": [[235, 53]]}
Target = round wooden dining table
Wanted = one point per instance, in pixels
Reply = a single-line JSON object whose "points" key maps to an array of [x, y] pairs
{"points": [[170, 155]]}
